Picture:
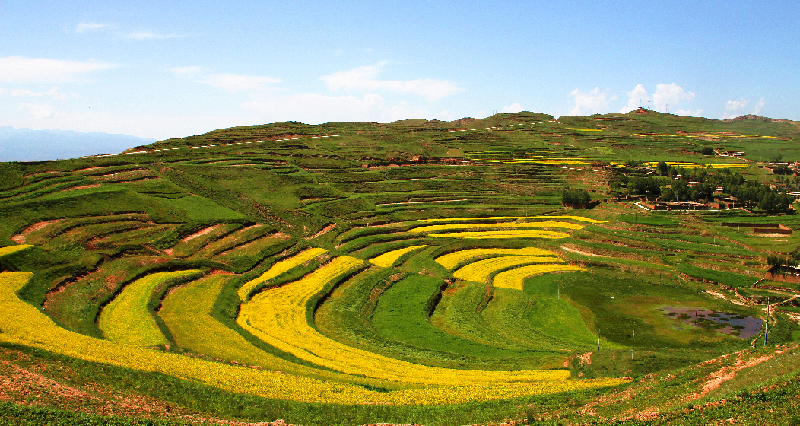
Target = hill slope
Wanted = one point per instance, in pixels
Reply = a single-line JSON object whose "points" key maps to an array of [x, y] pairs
{"points": [[417, 271]]}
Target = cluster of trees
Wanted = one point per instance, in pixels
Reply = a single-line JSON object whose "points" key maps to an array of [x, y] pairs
{"points": [[789, 261], [672, 184], [578, 198]]}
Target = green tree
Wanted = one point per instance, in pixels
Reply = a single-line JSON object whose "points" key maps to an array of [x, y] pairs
{"points": [[663, 168], [578, 198]]}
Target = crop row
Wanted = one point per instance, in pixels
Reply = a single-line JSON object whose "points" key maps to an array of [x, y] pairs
{"points": [[278, 317], [504, 225], [388, 259], [459, 219], [481, 270], [187, 313], [13, 249], [515, 278], [451, 260], [127, 318], [24, 324], [502, 234], [277, 269]]}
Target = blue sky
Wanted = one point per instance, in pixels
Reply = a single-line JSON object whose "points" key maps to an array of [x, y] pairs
{"points": [[177, 68]]}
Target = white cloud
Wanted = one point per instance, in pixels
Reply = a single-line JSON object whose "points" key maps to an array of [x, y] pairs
{"points": [[736, 105], [53, 92], [515, 107], [592, 102], [759, 107], [18, 69], [37, 111], [734, 108], [669, 96], [228, 82], [694, 113], [364, 79], [636, 98], [91, 26]]}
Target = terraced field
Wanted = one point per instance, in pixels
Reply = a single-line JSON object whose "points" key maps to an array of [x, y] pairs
{"points": [[437, 283]]}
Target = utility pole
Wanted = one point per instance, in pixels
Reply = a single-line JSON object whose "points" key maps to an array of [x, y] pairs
{"points": [[766, 324]]}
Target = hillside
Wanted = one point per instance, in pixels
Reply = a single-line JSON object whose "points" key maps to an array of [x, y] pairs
{"points": [[587, 270]]}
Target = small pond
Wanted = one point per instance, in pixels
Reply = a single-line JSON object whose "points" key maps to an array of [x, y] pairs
{"points": [[722, 322]]}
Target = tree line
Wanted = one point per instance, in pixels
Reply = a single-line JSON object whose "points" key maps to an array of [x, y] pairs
{"points": [[672, 184]]}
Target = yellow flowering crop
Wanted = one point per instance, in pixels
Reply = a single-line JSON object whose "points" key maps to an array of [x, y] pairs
{"points": [[22, 323], [279, 268], [578, 218], [278, 317], [729, 166], [509, 233], [187, 314], [127, 320], [481, 270], [451, 260], [515, 278], [456, 219], [388, 259], [547, 161], [504, 225], [13, 249], [697, 166]]}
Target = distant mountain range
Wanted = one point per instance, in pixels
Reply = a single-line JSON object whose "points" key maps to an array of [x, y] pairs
{"points": [[41, 145]]}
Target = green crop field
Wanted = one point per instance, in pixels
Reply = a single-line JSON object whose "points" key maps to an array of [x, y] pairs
{"points": [[416, 272]]}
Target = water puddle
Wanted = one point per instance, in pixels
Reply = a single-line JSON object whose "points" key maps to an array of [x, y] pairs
{"points": [[721, 322]]}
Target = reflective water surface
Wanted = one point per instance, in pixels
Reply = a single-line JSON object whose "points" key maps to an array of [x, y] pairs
{"points": [[722, 322]]}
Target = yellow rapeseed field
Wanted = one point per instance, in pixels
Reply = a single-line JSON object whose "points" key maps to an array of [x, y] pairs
{"points": [[277, 269], [451, 260], [13, 249], [388, 259], [508, 233], [24, 324], [278, 317], [457, 219], [481, 270], [127, 320], [503, 225], [685, 165], [516, 277]]}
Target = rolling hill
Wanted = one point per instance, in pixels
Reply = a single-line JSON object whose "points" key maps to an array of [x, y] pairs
{"points": [[419, 271]]}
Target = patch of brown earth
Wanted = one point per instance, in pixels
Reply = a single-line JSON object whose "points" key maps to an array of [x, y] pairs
{"points": [[724, 374], [80, 187], [581, 252], [200, 233], [22, 236], [324, 231]]}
